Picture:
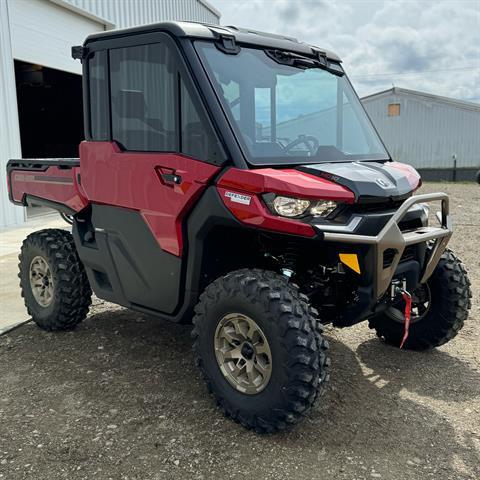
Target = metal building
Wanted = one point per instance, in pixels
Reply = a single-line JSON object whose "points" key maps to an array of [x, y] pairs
{"points": [[40, 93], [437, 135]]}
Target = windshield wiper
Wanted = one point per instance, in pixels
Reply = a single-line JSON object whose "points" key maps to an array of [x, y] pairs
{"points": [[300, 61]]}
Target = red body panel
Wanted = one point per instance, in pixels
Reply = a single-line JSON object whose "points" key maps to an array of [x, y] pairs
{"points": [[256, 215], [253, 211], [285, 182], [54, 184], [133, 180], [411, 174]]}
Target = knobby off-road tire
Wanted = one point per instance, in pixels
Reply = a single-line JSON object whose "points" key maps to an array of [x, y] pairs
{"points": [[52, 254], [298, 352], [450, 296]]}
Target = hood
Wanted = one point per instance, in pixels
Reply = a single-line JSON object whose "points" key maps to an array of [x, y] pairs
{"points": [[369, 181]]}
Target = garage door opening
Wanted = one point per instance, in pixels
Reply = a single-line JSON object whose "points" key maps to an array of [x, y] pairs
{"points": [[50, 113]]}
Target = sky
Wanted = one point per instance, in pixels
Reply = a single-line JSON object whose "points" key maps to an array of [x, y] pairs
{"points": [[427, 45]]}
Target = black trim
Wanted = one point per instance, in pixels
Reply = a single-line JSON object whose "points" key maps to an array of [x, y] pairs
{"points": [[227, 44], [79, 52], [33, 200], [295, 60], [41, 164], [178, 112], [124, 262], [53, 179], [86, 100], [198, 30]]}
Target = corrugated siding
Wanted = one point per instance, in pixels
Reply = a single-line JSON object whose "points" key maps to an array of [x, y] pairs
{"points": [[9, 129], [130, 13], [427, 133], [44, 32]]}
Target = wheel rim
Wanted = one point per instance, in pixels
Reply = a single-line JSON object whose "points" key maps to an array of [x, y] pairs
{"points": [[421, 301], [41, 281], [243, 353]]}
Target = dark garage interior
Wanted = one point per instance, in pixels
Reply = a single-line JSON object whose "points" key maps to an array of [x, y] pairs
{"points": [[50, 111]]}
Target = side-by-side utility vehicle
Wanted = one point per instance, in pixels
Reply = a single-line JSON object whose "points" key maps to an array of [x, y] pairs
{"points": [[231, 178]]}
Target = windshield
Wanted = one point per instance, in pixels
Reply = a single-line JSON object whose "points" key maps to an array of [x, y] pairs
{"points": [[286, 114]]}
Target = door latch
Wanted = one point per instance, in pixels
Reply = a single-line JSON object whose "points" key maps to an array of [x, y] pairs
{"points": [[168, 176], [171, 178]]}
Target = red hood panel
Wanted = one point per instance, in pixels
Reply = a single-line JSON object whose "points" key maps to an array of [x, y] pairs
{"points": [[285, 182]]}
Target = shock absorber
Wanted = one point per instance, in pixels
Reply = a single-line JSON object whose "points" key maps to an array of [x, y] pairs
{"points": [[290, 257]]}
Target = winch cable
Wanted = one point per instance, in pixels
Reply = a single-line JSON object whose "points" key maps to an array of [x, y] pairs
{"points": [[407, 315]]}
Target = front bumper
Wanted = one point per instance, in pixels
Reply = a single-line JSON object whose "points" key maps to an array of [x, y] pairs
{"points": [[393, 239]]}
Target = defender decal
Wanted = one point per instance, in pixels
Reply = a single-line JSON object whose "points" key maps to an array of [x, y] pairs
{"points": [[238, 198]]}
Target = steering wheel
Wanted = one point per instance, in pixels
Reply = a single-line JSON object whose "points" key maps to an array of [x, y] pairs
{"points": [[309, 141]]}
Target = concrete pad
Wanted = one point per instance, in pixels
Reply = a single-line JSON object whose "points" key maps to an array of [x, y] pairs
{"points": [[12, 309]]}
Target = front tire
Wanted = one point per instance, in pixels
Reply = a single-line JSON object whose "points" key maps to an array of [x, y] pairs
{"points": [[449, 301], [53, 281], [256, 317]]}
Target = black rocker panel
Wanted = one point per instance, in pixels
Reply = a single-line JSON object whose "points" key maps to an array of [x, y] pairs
{"points": [[125, 263]]}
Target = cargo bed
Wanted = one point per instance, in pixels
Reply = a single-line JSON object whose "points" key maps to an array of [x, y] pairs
{"points": [[49, 182]]}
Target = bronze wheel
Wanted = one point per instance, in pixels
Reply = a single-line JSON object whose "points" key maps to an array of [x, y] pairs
{"points": [[41, 281], [53, 281], [259, 346], [243, 353]]}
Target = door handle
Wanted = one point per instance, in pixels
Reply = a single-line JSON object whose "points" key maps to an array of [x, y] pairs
{"points": [[171, 178]]}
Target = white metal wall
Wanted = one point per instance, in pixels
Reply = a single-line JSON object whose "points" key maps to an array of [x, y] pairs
{"points": [[428, 132], [9, 128], [43, 33], [129, 13]]}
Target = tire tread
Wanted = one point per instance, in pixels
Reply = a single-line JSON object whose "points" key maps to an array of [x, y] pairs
{"points": [[457, 303], [72, 293], [301, 335]]}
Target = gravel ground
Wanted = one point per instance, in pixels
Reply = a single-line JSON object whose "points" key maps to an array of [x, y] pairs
{"points": [[120, 398]]}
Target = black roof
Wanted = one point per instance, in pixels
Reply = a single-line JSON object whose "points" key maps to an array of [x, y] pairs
{"points": [[212, 32]]}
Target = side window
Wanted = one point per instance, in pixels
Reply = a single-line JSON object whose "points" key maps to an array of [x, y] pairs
{"points": [[197, 138], [97, 66], [143, 93]]}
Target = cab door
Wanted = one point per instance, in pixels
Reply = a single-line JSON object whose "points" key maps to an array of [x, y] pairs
{"points": [[152, 156]]}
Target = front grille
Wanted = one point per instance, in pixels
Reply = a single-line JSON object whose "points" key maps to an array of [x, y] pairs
{"points": [[408, 254], [409, 225], [376, 206]]}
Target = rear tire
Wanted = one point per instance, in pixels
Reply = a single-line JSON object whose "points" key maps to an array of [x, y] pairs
{"points": [[450, 296], [53, 281], [288, 329]]}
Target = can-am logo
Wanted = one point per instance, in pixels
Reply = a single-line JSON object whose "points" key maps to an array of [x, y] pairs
{"points": [[329, 176], [238, 198], [383, 183]]}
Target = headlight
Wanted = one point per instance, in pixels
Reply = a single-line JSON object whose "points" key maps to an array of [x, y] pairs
{"points": [[425, 207], [296, 207], [323, 208], [290, 207]]}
